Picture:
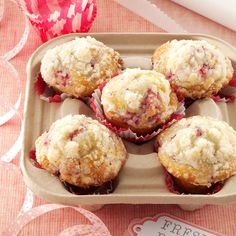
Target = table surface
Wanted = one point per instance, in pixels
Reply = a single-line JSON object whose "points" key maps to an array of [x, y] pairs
{"points": [[111, 18]]}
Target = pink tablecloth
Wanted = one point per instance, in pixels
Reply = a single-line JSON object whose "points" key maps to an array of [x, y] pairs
{"points": [[111, 18]]}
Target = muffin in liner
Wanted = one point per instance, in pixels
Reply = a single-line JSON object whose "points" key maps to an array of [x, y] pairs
{"points": [[175, 187], [131, 133], [79, 66], [85, 155], [199, 154], [197, 68]]}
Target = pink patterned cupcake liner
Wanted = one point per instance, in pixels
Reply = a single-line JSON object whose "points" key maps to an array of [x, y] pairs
{"points": [[226, 98], [173, 188], [125, 133], [49, 95], [223, 98], [46, 93], [232, 82], [96, 227], [32, 157], [219, 97], [105, 188], [55, 18]]}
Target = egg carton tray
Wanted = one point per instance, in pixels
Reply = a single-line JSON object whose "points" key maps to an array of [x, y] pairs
{"points": [[142, 180]]}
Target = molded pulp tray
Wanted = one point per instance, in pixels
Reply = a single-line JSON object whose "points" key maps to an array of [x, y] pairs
{"points": [[142, 180]]}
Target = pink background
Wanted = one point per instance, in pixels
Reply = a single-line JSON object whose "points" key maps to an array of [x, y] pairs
{"points": [[111, 18]]}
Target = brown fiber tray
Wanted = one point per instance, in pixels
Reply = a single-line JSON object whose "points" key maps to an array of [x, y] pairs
{"points": [[142, 180]]}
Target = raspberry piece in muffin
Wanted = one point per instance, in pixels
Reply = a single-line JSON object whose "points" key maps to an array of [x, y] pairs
{"points": [[198, 152], [138, 99], [81, 151], [197, 68], [78, 67]]}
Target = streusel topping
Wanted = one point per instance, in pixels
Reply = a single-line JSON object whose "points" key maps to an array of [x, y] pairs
{"points": [[82, 150], [79, 66], [197, 67], [205, 144], [138, 96]]}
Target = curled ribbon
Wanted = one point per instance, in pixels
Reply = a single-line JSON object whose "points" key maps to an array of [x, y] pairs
{"points": [[12, 108], [15, 148], [13, 52], [4, 62], [97, 227], [10, 113], [28, 202], [29, 198]]}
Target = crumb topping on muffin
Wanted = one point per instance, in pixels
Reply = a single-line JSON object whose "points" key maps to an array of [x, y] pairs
{"points": [[204, 149], [82, 150], [194, 65], [139, 97], [79, 66]]}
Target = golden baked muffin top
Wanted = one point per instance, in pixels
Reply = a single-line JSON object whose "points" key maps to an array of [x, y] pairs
{"points": [[142, 98], [196, 67], [79, 66], [200, 150], [83, 151]]}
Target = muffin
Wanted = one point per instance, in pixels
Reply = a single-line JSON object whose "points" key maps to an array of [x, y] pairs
{"points": [[79, 66], [198, 152], [81, 151], [140, 100], [197, 68]]}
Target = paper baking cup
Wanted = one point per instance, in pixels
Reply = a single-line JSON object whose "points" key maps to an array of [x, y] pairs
{"points": [[179, 95], [49, 95], [127, 133], [55, 18], [232, 82], [223, 98], [46, 93], [32, 156], [173, 188], [228, 97]]}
